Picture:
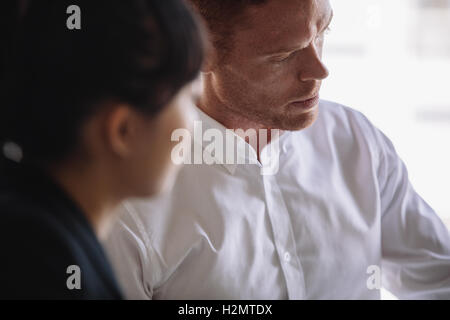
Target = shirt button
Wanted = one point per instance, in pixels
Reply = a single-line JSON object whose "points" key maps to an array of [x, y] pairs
{"points": [[287, 257]]}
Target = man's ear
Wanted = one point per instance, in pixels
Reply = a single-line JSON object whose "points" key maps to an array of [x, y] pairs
{"points": [[121, 127], [211, 59], [208, 65]]}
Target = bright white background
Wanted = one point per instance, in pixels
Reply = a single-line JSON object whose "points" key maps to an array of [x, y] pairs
{"points": [[390, 59]]}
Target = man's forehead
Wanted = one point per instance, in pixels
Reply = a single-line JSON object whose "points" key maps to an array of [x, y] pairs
{"points": [[278, 23]]}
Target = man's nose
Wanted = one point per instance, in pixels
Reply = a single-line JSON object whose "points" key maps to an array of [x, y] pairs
{"points": [[312, 67]]}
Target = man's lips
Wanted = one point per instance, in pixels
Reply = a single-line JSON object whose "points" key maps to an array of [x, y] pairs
{"points": [[306, 104]]}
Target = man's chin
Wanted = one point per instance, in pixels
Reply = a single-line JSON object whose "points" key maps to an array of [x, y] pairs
{"points": [[296, 122]]}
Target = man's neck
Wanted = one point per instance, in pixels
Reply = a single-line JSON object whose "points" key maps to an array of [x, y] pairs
{"points": [[214, 108]]}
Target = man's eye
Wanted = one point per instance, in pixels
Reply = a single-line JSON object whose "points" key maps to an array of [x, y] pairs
{"points": [[282, 58]]}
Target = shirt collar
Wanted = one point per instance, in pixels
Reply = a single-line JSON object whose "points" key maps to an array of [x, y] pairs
{"points": [[244, 152]]}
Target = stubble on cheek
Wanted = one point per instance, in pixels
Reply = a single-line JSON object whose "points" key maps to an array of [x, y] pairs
{"points": [[261, 99]]}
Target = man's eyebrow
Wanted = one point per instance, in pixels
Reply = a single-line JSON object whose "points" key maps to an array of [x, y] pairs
{"points": [[294, 48], [329, 21]]}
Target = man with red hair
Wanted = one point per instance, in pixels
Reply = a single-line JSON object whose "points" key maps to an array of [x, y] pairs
{"points": [[337, 220]]}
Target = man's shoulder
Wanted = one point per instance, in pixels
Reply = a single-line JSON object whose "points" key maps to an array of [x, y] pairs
{"points": [[342, 131], [343, 122], [330, 111]]}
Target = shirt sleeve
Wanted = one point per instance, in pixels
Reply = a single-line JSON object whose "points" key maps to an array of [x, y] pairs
{"points": [[128, 249], [415, 242]]}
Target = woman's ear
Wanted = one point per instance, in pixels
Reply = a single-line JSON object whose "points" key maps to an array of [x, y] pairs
{"points": [[120, 130]]}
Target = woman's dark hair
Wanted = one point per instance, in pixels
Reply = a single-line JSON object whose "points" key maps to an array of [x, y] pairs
{"points": [[139, 52]]}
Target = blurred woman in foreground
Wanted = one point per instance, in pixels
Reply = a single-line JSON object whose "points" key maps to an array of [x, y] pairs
{"points": [[86, 118]]}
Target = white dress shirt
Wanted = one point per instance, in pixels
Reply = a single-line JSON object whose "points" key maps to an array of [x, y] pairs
{"points": [[339, 208]]}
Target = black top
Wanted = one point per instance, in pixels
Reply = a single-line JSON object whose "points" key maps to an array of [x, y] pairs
{"points": [[42, 234]]}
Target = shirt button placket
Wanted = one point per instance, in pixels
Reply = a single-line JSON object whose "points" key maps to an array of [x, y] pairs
{"points": [[284, 238]]}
